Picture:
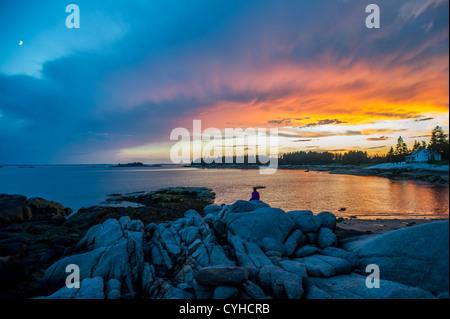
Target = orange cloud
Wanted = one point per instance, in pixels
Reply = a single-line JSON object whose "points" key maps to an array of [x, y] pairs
{"points": [[360, 93]]}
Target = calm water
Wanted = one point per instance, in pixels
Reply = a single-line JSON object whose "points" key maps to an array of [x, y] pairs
{"points": [[82, 186]]}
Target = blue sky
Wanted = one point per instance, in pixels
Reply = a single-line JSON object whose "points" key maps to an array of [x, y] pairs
{"points": [[113, 90]]}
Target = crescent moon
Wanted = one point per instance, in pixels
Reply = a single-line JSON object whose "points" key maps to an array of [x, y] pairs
{"points": [[20, 42]]}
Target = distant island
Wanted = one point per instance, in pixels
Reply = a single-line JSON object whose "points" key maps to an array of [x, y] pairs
{"points": [[136, 164]]}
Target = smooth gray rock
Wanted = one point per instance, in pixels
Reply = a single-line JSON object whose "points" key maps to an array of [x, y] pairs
{"points": [[248, 255], [327, 219], [225, 292], [305, 220], [184, 286], [242, 258], [101, 235], [55, 276], [123, 260], [212, 209], [194, 245], [311, 238], [294, 267], [326, 238], [185, 275], [160, 257], [90, 288], [257, 256], [189, 234], [258, 224], [176, 293], [306, 250], [219, 258], [416, 256], [294, 240], [343, 254], [202, 291], [325, 266], [353, 286], [112, 289], [219, 227], [269, 243], [247, 206], [273, 253], [221, 276], [171, 242], [253, 290], [148, 279], [280, 283], [192, 218], [201, 255]]}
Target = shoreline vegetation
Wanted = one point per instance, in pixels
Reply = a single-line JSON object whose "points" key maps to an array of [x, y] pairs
{"points": [[178, 245]]}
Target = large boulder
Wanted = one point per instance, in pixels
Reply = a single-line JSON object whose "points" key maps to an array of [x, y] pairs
{"points": [[305, 220], [280, 283], [327, 219], [325, 266], [90, 288], [118, 257], [415, 256], [242, 206], [222, 276], [294, 240], [256, 225], [353, 286], [248, 255], [326, 238]]}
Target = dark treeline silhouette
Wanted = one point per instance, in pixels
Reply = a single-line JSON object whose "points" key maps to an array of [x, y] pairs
{"points": [[438, 143], [327, 158], [299, 158]]}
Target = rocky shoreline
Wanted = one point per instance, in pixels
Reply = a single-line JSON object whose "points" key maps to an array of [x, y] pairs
{"points": [[435, 174], [35, 233], [247, 250]]}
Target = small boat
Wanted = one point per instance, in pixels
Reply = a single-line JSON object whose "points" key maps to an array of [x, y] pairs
{"points": [[307, 171]]}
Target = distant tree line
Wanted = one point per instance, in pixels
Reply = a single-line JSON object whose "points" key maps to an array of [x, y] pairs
{"points": [[327, 158], [438, 143]]}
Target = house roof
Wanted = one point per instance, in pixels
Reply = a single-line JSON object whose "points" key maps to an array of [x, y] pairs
{"points": [[425, 150]]}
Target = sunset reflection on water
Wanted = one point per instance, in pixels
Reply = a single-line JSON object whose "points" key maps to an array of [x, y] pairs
{"points": [[365, 197]]}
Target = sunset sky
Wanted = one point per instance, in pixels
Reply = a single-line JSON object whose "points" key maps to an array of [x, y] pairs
{"points": [[114, 89]]}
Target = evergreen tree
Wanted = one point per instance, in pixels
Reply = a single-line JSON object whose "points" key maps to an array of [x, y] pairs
{"points": [[416, 146], [401, 150], [439, 142], [391, 154]]}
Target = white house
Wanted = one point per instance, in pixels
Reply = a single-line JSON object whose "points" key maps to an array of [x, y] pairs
{"points": [[422, 155]]}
